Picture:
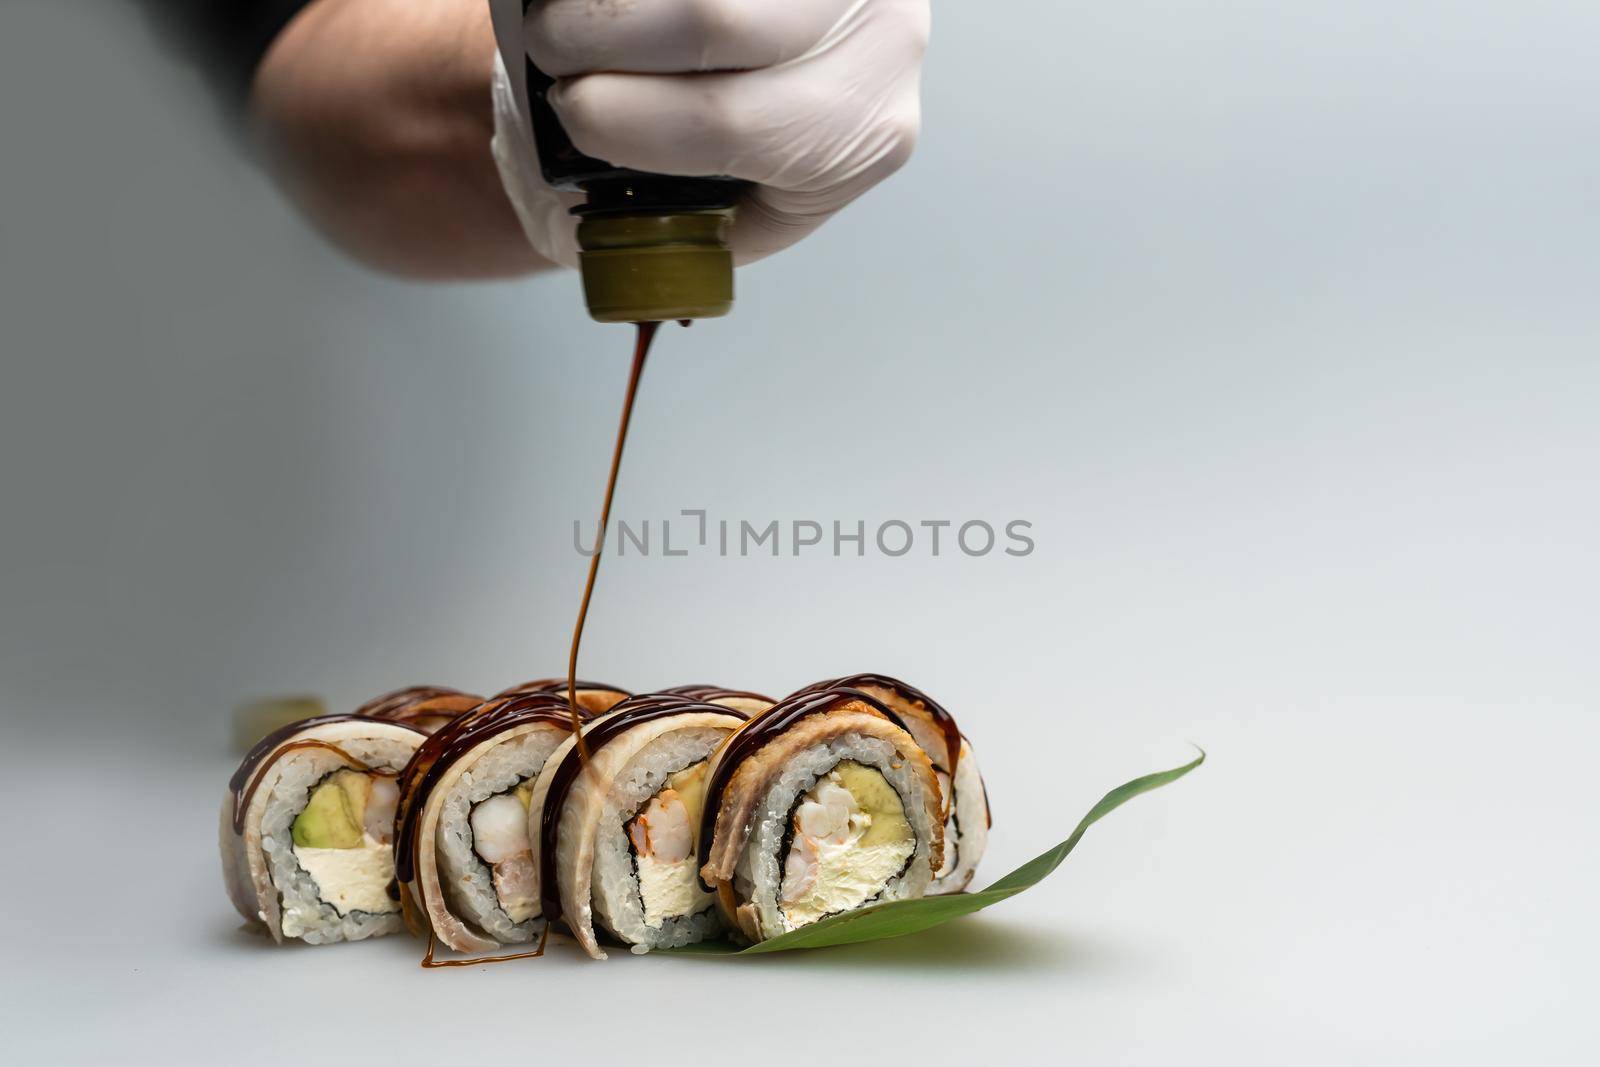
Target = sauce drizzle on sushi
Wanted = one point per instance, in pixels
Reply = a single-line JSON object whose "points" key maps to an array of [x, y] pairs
{"points": [[710, 693], [630, 713], [245, 780], [559, 687], [911, 695], [443, 749], [429, 962], [749, 739], [418, 701]]}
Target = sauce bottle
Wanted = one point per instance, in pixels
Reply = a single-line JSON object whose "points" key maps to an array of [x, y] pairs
{"points": [[652, 247]]}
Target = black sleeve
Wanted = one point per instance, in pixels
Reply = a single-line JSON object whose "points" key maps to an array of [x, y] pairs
{"points": [[227, 37]]}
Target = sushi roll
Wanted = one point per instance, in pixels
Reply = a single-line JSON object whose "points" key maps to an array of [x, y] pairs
{"points": [[462, 857], [615, 838], [427, 707], [966, 804], [737, 699], [308, 824], [593, 697], [822, 804]]}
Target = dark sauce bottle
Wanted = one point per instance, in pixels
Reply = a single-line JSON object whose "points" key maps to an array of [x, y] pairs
{"points": [[651, 247]]}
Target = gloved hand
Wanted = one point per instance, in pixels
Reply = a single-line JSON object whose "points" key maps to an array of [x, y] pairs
{"points": [[815, 101]]}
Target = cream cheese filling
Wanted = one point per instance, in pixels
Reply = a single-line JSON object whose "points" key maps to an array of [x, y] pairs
{"points": [[850, 838], [662, 835], [847, 876], [352, 879], [669, 890]]}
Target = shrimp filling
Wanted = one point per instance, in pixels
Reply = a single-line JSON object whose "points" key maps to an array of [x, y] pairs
{"points": [[850, 839], [500, 838], [343, 839], [662, 839]]}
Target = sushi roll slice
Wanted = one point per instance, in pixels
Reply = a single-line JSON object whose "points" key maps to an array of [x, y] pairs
{"points": [[967, 817], [594, 697], [308, 824], [737, 699], [462, 857], [822, 804], [615, 838], [427, 707]]}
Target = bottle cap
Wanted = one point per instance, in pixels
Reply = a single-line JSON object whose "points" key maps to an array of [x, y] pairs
{"points": [[656, 267]]}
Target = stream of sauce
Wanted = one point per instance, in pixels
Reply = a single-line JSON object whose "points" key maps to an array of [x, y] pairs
{"points": [[534, 701], [754, 734], [630, 713], [641, 349]]}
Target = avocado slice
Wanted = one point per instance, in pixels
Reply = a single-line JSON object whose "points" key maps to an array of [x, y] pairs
{"points": [[357, 787], [690, 785], [879, 800], [332, 817]]}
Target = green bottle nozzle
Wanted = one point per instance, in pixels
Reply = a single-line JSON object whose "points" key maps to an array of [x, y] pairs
{"points": [[651, 247], [656, 266]]}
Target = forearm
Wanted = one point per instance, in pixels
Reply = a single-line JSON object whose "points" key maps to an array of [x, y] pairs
{"points": [[375, 117]]}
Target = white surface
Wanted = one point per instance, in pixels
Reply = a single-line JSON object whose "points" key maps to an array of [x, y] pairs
{"points": [[1360, 893], [1283, 331]]}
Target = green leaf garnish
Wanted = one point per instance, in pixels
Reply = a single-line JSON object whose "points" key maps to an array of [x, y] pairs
{"points": [[897, 918]]}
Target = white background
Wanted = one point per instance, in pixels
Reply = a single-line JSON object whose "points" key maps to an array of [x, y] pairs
{"points": [[1279, 322]]}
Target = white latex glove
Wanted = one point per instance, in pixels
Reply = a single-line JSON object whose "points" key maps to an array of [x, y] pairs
{"points": [[815, 101]]}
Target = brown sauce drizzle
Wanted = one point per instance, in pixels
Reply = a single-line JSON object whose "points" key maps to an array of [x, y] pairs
{"points": [[559, 686], [710, 693], [379, 705], [436, 713], [941, 718], [754, 735], [630, 713], [246, 780], [428, 962], [913, 696], [419, 702], [641, 348], [439, 752]]}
